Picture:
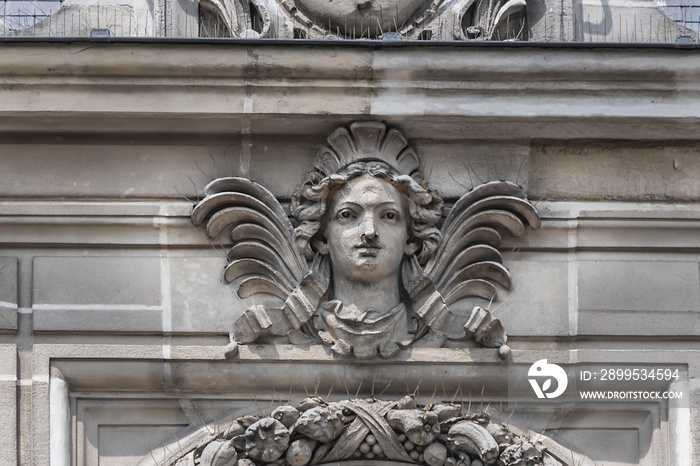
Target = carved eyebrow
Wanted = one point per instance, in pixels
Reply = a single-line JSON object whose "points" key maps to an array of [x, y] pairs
{"points": [[346, 204]]}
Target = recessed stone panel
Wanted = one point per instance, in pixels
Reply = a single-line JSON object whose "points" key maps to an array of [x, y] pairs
{"points": [[538, 302], [115, 168], [201, 300], [639, 286], [638, 298], [121, 444], [611, 446], [630, 171], [97, 293], [8, 404], [8, 293]]}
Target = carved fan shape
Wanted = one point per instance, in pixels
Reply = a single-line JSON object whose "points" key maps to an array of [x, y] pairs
{"points": [[263, 259], [467, 263]]}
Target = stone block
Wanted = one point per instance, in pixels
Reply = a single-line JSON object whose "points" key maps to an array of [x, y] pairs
{"points": [[638, 298], [8, 293], [291, 158], [639, 285], [612, 446], [631, 171], [201, 300], [455, 167], [97, 293], [538, 301], [120, 445], [116, 167], [8, 404]]}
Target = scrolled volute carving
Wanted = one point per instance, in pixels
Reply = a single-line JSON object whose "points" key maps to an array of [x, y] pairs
{"points": [[369, 430], [370, 265]]}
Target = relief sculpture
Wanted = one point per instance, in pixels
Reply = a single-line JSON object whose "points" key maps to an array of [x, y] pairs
{"points": [[357, 432], [374, 262]]}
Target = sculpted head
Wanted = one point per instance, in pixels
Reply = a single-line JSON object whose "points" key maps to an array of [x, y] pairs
{"points": [[367, 217]]}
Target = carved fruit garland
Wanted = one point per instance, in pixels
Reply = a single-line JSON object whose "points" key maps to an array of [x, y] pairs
{"points": [[316, 432]]}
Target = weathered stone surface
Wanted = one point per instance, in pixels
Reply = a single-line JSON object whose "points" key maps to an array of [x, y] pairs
{"points": [[638, 297], [131, 124], [639, 286], [112, 168], [8, 403], [367, 218], [8, 293], [626, 171], [97, 280], [200, 302], [533, 309], [98, 293]]}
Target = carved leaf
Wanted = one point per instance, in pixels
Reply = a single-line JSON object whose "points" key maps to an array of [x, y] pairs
{"points": [[368, 135], [469, 437], [471, 288], [511, 7], [492, 188], [253, 267], [471, 255], [281, 245], [244, 186], [486, 270], [260, 250], [254, 285], [230, 217], [467, 263], [513, 204]]}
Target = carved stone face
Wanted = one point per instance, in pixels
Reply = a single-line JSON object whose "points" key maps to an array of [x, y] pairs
{"points": [[367, 230], [354, 17]]}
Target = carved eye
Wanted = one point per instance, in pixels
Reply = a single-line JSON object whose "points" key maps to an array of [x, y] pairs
{"points": [[346, 214], [391, 215]]}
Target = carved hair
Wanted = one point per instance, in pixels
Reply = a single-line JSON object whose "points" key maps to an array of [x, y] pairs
{"points": [[310, 200]]}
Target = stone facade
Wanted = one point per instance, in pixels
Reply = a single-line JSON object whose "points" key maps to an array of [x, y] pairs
{"points": [[113, 310]]}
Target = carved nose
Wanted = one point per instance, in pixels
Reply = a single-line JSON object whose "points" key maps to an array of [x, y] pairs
{"points": [[369, 230], [369, 236]]}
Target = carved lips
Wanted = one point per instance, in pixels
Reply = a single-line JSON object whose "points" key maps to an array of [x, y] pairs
{"points": [[368, 249]]}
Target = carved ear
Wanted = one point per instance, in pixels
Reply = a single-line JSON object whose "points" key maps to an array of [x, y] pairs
{"points": [[411, 248], [320, 246]]}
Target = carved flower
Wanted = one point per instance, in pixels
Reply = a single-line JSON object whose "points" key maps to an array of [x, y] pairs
{"points": [[266, 440], [320, 423]]}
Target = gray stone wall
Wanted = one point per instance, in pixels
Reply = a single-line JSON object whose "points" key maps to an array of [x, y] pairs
{"points": [[113, 310]]}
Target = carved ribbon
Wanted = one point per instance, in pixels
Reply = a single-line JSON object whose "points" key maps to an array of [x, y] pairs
{"points": [[370, 418]]}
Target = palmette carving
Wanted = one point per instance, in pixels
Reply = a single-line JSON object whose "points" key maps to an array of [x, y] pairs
{"points": [[369, 234], [367, 430]]}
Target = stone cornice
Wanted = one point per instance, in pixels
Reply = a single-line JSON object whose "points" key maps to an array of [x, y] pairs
{"points": [[505, 92]]}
